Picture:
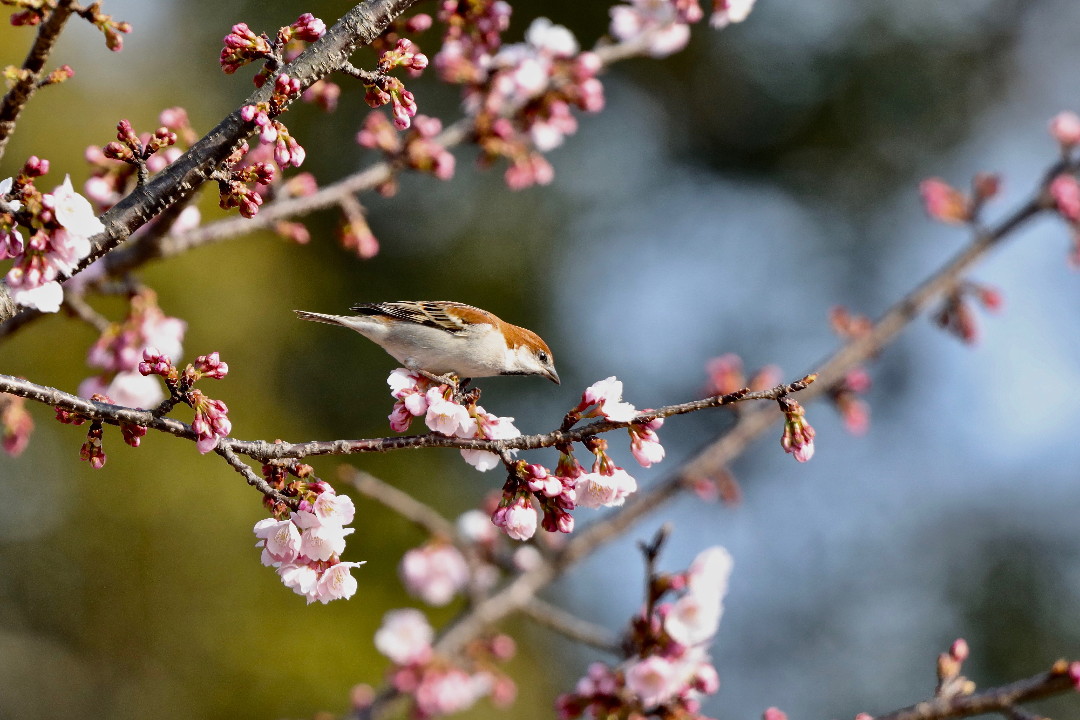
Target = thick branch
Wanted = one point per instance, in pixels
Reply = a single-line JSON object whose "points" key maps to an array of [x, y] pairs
{"points": [[183, 177], [264, 451], [19, 94], [179, 180]]}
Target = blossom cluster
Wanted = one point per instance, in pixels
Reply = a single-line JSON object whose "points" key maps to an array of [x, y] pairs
{"points": [[946, 204], [119, 351], [287, 151], [211, 420], [417, 149], [668, 669], [559, 492], [60, 224], [242, 46], [34, 12], [92, 450], [417, 396], [438, 685], [663, 26], [305, 547], [530, 486], [383, 89], [438, 571], [110, 180]]}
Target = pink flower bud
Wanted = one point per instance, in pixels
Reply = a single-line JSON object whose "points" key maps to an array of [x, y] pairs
{"points": [[1065, 191], [1065, 127], [944, 203]]}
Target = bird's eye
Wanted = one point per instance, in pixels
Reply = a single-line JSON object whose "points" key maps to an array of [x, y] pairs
{"points": [[542, 356]]}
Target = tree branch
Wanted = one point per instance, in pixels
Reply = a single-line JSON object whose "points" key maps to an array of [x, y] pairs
{"points": [[20, 93], [992, 700], [182, 178]]}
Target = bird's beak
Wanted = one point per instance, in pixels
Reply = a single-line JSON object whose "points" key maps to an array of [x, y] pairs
{"points": [[553, 376]]}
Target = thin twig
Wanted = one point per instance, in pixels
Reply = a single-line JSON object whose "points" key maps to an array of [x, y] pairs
{"points": [[253, 478], [571, 626], [76, 304], [992, 700], [401, 502]]}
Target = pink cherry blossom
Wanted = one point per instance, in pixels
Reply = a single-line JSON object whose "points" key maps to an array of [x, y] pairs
{"points": [[333, 509], [444, 692], [645, 443], [655, 23], [1065, 190], [301, 578], [282, 538], [446, 416], [1065, 127], [46, 297], [336, 583], [598, 489], [517, 520], [694, 618], [475, 526], [320, 541], [405, 637], [435, 573], [726, 12], [653, 680], [944, 203], [607, 394], [74, 212], [490, 427]]}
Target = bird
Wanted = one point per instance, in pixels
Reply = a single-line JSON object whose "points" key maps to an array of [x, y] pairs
{"points": [[441, 338]]}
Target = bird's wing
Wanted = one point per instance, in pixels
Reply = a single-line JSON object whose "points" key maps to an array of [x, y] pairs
{"points": [[429, 313]]}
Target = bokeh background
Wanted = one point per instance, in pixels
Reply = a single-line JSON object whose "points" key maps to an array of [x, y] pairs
{"points": [[724, 200]]}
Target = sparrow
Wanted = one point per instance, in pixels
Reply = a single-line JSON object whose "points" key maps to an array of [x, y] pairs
{"points": [[438, 338]]}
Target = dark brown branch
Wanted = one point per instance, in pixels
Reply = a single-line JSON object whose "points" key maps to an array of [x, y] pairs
{"points": [[125, 259], [264, 451], [23, 89], [253, 479], [359, 26], [182, 178]]}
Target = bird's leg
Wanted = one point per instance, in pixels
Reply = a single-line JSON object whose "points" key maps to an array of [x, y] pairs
{"points": [[447, 379], [466, 397]]}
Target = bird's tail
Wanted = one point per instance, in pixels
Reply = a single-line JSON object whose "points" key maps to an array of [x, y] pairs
{"points": [[320, 317]]}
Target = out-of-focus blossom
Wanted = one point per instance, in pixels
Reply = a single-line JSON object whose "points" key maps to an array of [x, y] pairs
{"points": [[943, 202], [435, 573], [405, 636]]}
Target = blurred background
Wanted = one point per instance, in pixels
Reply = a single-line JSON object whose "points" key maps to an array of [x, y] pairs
{"points": [[725, 199]]}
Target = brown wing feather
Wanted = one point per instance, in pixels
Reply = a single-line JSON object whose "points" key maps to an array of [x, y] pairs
{"points": [[429, 313]]}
